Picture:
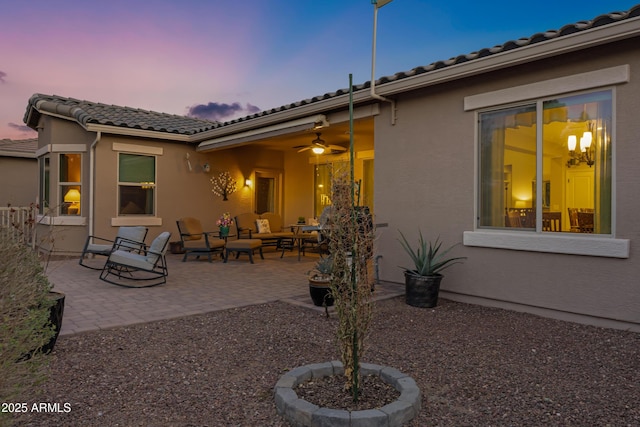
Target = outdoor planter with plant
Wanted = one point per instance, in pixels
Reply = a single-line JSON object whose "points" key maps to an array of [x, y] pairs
{"points": [[422, 282], [28, 310], [320, 282]]}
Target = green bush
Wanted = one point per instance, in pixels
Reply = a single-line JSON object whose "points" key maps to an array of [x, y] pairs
{"points": [[24, 320]]}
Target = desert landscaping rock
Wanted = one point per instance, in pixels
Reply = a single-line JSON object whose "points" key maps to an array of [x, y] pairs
{"points": [[474, 366]]}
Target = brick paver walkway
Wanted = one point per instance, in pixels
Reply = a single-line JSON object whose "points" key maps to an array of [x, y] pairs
{"points": [[193, 287]]}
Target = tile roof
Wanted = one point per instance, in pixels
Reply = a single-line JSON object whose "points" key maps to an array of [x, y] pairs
{"points": [[566, 30], [86, 112], [18, 148]]}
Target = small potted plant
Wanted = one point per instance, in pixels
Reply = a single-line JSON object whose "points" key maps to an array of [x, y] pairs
{"points": [[301, 220], [422, 282], [320, 282], [223, 223]]}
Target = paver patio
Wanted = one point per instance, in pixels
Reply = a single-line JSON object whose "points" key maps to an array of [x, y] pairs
{"points": [[192, 287]]}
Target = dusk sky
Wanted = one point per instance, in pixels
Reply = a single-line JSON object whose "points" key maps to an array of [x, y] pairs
{"points": [[223, 59]]}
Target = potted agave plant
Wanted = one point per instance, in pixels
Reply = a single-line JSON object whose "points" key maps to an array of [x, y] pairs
{"points": [[422, 282], [320, 282]]}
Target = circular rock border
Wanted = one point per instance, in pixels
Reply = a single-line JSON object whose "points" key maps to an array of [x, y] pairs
{"points": [[299, 412]]}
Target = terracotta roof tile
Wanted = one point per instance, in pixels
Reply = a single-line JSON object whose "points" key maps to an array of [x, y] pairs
{"points": [[566, 30], [86, 112], [18, 146]]}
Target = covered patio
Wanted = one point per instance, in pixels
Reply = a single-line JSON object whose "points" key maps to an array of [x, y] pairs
{"points": [[193, 287]]}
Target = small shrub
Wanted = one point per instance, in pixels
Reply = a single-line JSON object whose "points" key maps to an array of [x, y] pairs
{"points": [[24, 319]]}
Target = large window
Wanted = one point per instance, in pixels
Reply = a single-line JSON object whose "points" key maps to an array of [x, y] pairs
{"points": [[136, 184], [70, 183], [363, 171], [546, 165]]}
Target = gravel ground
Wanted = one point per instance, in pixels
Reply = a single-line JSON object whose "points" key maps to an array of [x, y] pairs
{"points": [[475, 366]]}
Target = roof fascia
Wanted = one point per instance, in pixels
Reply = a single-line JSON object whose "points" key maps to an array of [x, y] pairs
{"points": [[561, 45], [23, 155], [554, 47], [317, 107], [312, 122], [283, 128], [140, 133]]}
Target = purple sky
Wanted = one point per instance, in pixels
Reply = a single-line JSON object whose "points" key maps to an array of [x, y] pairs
{"points": [[225, 59]]}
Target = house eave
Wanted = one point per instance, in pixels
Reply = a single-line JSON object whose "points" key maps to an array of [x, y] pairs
{"points": [[558, 46], [140, 133], [6, 153], [319, 107], [531, 53]]}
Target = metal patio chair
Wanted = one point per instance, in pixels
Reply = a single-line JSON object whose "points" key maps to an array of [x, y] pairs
{"points": [[128, 238], [138, 270]]}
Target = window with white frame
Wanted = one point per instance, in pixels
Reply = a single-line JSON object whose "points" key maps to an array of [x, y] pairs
{"points": [[70, 183], [136, 184], [44, 191], [546, 165]]}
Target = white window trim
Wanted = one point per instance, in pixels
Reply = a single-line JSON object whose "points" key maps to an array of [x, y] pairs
{"points": [[61, 148], [137, 149], [62, 184], [566, 243], [536, 241], [61, 220], [554, 87], [132, 221], [149, 220]]}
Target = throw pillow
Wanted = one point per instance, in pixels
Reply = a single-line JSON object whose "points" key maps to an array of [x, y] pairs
{"points": [[263, 226]]}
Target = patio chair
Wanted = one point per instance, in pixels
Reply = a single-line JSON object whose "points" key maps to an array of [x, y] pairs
{"points": [[131, 238], [197, 242], [138, 270]]}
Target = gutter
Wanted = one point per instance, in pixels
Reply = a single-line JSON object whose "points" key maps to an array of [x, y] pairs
{"points": [[372, 92], [92, 160]]}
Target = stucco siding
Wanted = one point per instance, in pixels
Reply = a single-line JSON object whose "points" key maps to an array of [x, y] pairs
{"points": [[425, 177]]}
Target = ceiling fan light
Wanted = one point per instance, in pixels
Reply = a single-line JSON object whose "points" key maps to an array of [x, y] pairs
{"points": [[317, 150]]}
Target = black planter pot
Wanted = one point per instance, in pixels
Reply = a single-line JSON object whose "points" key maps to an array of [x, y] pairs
{"points": [[422, 291], [320, 292], [55, 317]]}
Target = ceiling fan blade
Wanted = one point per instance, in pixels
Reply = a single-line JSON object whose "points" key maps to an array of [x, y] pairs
{"points": [[336, 147], [308, 147]]}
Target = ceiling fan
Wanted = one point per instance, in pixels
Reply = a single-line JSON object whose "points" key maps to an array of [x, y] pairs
{"points": [[319, 146]]}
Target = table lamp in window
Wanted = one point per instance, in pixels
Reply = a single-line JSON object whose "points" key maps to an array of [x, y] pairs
{"points": [[73, 198]]}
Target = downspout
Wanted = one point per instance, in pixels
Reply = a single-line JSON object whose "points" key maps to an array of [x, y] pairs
{"points": [[92, 167], [374, 95]]}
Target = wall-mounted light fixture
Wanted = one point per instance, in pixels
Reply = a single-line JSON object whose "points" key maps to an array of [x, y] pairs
{"points": [[585, 153], [247, 182]]}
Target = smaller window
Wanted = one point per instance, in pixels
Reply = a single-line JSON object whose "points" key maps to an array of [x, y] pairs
{"points": [[136, 184], [70, 184], [44, 190]]}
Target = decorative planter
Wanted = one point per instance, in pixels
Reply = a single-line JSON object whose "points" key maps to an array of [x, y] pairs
{"points": [[320, 292], [422, 291], [224, 231], [299, 412], [55, 317]]}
